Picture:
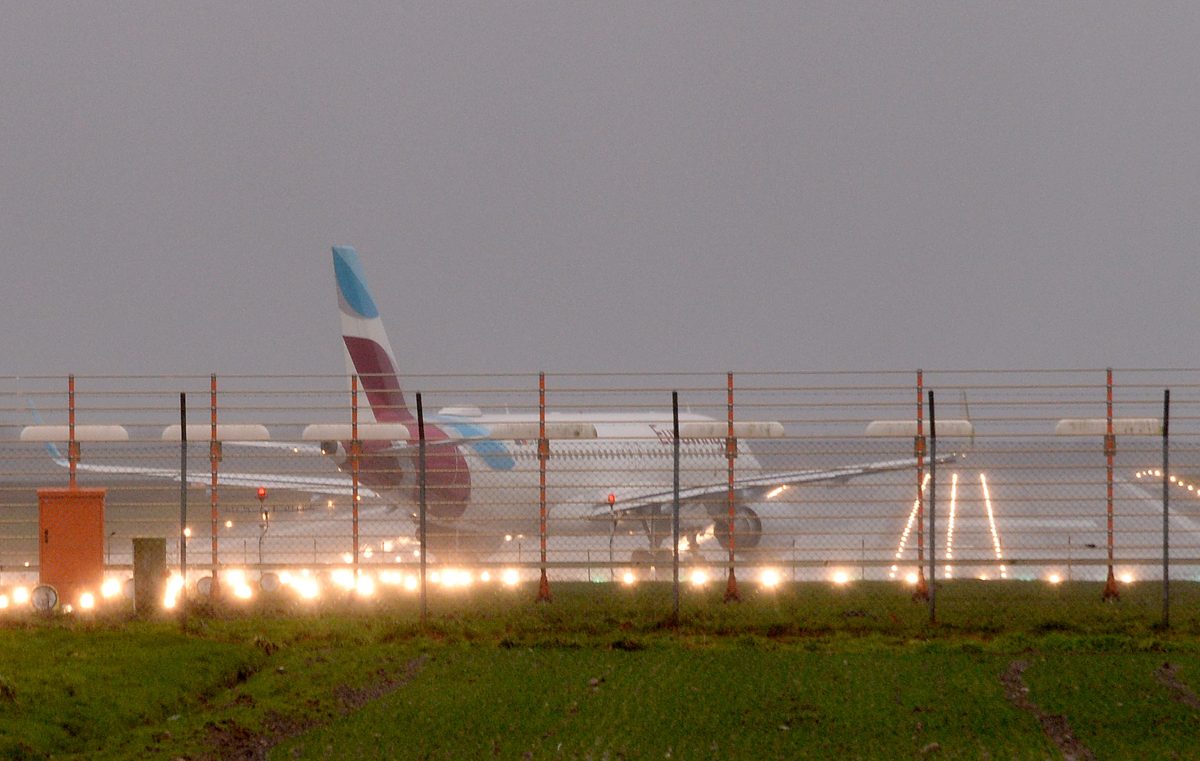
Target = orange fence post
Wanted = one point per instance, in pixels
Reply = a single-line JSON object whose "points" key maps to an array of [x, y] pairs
{"points": [[543, 594], [355, 453], [72, 444], [922, 589], [731, 587], [214, 459], [1110, 451]]}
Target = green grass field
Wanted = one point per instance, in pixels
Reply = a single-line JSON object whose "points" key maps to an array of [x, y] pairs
{"points": [[805, 671]]}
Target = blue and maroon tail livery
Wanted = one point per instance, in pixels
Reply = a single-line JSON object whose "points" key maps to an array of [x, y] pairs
{"points": [[368, 351]]}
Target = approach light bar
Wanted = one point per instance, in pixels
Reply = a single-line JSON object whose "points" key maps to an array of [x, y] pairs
{"points": [[908, 428], [225, 432], [56, 433], [366, 432], [717, 430], [1127, 426]]}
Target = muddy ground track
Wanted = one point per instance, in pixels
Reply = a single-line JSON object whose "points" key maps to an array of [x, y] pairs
{"points": [[1053, 725], [1167, 676], [231, 741], [1056, 727]]}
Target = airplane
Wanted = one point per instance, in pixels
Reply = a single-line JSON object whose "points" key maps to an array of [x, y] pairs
{"points": [[482, 469], [477, 481]]}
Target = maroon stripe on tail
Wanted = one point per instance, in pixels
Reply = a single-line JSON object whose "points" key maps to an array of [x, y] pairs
{"points": [[379, 380]]}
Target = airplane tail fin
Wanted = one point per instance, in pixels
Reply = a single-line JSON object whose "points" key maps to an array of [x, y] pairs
{"points": [[368, 351]]}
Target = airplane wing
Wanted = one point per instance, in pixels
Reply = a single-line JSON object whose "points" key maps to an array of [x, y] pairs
{"points": [[752, 487], [324, 485]]}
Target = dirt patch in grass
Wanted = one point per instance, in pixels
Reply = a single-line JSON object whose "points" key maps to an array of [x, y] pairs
{"points": [[1168, 676], [231, 741], [353, 698], [1054, 725]]}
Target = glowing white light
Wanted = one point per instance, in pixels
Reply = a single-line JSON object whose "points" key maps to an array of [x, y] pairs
{"points": [[174, 587], [388, 546], [365, 586], [329, 503], [410, 583], [343, 577], [306, 586], [1054, 578], [110, 588], [347, 557], [228, 524], [510, 577], [987, 501], [769, 578], [776, 491], [368, 553], [841, 577], [20, 595], [950, 525], [456, 577], [629, 579], [1126, 578], [699, 578], [912, 579], [242, 591], [485, 576], [912, 516], [187, 531], [3, 602]]}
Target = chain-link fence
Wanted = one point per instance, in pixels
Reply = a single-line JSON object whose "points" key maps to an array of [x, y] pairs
{"points": [[1038, 474]]}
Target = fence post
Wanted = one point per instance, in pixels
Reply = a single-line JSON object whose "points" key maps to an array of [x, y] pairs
{"points": [[922, 590], [1166, 500], [675, 511], [421, 534], [355, 452], [1110, 450], [214, 458], [543, 594], [72, 444], [932, 512], [183, 500], [731, 587]]}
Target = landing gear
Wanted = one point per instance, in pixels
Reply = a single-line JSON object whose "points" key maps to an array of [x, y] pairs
{"points": [[657, 558]]}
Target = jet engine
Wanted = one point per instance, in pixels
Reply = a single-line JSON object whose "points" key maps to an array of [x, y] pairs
{"points": [[761, 530]]}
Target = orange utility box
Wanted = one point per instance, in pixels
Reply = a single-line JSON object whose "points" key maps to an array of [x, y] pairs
{"points": [[71, 541]]}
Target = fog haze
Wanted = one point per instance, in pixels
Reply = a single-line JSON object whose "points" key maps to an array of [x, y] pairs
{"points": [[609, 186]]}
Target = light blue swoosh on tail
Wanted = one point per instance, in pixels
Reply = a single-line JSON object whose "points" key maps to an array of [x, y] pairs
{"points": [[351, 282], [495, 455]]}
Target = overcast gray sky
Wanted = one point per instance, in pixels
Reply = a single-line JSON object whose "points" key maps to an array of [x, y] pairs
{"points": [[600, 186]]}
